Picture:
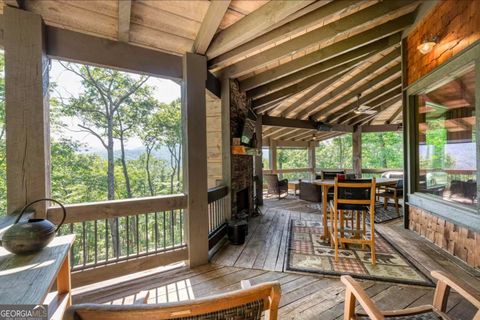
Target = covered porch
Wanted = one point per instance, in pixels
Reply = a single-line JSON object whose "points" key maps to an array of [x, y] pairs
{"points": [[255, 80]]}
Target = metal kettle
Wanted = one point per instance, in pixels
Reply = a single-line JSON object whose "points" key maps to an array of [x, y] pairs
{"points": [[32, 235]]}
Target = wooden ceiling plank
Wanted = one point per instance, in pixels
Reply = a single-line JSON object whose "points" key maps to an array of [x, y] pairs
{"points": [[286, 30], [367, 18], [124, 14], [308, 73], [267, 107], [253, 25], [210, 24], [332, 95], [285, 133], [378, 79], [318, 88], [388, 90], [329, 52], [323, 77]]}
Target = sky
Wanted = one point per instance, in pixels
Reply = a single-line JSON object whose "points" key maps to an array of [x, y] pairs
{"points": [[69, 84]]}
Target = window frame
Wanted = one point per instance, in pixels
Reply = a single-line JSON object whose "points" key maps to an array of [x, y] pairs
{"points": [[451, 211]]}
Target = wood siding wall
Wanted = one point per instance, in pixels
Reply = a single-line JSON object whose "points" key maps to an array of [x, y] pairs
{"points": [[457, 240], [456, 22], [214, 140]]}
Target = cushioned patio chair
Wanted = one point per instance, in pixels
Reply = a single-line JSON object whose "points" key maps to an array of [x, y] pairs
{"points": [[275, 186], [310, 191], [394, 192], [435, 311], [247, 303]]}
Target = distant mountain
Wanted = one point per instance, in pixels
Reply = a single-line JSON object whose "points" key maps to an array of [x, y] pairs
{"points": [[132, 154]]}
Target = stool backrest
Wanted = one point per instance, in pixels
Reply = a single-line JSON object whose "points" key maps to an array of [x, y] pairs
{"points": [[355, 192]]}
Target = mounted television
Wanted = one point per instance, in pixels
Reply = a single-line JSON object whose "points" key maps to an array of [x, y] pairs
{"points": [[248, 132]]}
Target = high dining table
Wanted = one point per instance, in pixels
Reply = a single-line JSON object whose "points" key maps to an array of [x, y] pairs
{"points": [[326, 184]]}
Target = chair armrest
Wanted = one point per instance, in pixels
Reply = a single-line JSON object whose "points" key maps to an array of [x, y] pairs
{"points": [[354, 292], [445, 282], [141, 297], [245, 284], [283, 182]]}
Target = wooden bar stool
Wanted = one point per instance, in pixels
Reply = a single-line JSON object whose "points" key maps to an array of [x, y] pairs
{"points": [[353, 200]]}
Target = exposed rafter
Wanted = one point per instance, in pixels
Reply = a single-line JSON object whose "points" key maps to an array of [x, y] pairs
{"points": [[316, 17], [306, 83], [332, 106], [364, 52], [210, 24], [352, 82], [253, 25], [331, 51], [124, 14], [367, 18], [366, 99], [394, 115]]}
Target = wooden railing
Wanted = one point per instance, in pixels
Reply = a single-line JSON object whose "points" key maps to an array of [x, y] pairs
{"points": [[217, 214], [124, 235]]}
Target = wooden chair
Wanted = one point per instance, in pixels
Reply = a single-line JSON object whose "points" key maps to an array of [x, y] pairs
{"points": [[354, 292], [275, 186], [394, 192], [247, 303], [353, 200]]}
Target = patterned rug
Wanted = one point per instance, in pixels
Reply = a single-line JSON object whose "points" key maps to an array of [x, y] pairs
{"points": [[308, 253]]}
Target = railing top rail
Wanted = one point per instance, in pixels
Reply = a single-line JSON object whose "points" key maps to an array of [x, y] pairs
{"points": [[117, 208], [217, 193]]}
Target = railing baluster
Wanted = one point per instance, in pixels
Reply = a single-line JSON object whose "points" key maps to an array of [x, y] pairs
{"points": [[146, 232], [96, 241], [128, 235], [106, 240], [84, 244]]}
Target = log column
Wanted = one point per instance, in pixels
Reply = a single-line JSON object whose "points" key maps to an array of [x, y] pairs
{"points": [[357, 151], [272, 159], [195, 159], [311, 158], [27, 110]]}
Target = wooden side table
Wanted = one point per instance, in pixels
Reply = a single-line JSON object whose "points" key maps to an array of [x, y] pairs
{"points": [[28, 279]]}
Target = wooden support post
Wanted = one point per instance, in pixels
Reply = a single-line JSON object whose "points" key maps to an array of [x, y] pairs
{"points": [[357, 151], [195, 159], [258, 162], [273, 155], [311, 158], [27, 110], [226, 144]]}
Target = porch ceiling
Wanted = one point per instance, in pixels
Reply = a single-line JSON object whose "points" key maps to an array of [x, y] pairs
{"points": [[295, 59]]}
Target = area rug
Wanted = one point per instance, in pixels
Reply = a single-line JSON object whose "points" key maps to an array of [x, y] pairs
{"points": [[381, 214], [309, 253]]}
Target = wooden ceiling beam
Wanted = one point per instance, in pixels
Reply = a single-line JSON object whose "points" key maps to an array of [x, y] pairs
{"points": [[285, 122], [365, 52], [306, 83], [209, 26], [328, 52], [301, 77], [367, 18], [318, 88], [289, 29], [348, 84], [386, 89], [253, 25], [124, 14], [267, 107], [382, 128], [395, 70]]}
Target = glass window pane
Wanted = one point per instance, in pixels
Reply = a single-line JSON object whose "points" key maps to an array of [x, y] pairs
{"points": [[447, 139]]}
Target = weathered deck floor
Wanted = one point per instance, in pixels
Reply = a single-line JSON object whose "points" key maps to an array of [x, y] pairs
{"points": [[303, 296]]}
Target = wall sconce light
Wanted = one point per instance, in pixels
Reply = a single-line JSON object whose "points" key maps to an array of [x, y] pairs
{"points": [[428, 44]]}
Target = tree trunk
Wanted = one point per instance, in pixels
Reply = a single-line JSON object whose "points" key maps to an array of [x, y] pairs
{"points": [[111, 186], [147, 168], [124, 166]]}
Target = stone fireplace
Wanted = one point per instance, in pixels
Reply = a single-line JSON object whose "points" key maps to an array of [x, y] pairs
{"points": [[241, 165]]}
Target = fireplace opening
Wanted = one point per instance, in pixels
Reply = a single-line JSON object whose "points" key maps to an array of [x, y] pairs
{"points": [[243, 203]]}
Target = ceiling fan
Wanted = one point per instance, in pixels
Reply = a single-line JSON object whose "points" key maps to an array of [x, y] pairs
{"points": [[363, 109]]}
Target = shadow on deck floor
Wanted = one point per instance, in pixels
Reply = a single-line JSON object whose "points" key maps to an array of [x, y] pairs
{"points": [[303, 296]]}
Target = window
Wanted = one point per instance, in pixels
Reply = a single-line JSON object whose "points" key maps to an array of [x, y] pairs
{"points": [[114, 135], [447, 139], [334, 153]]}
